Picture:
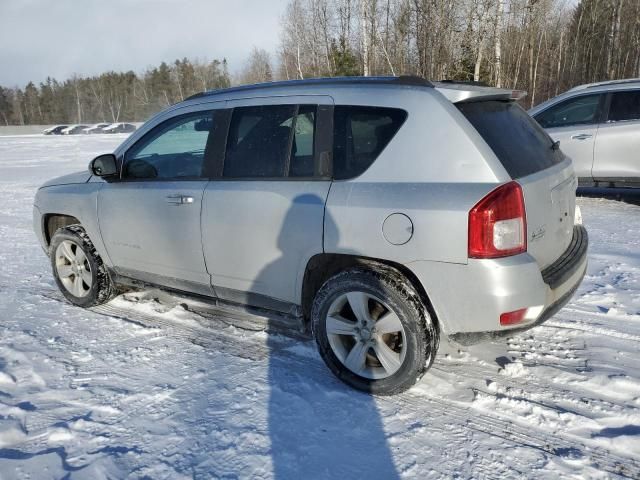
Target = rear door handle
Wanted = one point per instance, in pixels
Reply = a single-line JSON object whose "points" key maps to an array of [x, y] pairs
{"points": [[581, 136], [179, 199]]}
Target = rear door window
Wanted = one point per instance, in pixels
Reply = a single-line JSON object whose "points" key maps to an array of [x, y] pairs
{"points": [[303, 146], [259, 141], [624, 106], [582, 110], [520, 144], [360, 135]]}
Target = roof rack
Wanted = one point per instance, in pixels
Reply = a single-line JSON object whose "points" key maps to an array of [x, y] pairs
{"points": [[403, 80], [614, 82], [604, 84]]}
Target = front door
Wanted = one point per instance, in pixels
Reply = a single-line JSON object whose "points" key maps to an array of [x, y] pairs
{"points": [[574, 123], [263, 219], [617, 152], [150, 219]]}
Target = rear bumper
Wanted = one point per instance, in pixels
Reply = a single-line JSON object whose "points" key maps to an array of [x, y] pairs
{"points": [[469, 299]]}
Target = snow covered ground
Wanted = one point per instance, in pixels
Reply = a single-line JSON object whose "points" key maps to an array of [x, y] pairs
{"points": [[148, 389]]}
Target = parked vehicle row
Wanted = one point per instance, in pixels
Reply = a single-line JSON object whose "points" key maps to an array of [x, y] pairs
{"points": [[598, 127], [384, 212], [90, 129]]}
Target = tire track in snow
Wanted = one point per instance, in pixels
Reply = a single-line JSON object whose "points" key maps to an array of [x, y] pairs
{"points": [[560, 445], [198, 331]]}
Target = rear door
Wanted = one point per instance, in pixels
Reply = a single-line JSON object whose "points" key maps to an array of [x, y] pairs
{"points": [[262, 218], [150, 219], [574, 123], [617, 151], [547, 178]]}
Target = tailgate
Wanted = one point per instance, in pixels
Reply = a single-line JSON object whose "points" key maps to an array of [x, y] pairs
{"points": [[550, 202]]}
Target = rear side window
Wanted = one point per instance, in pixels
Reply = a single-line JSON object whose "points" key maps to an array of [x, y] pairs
{"points": [[360, 135], [624, 106], [520, 144], [582, 110]]}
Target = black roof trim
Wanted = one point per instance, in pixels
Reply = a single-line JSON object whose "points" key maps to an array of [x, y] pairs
{"points": [[406, 80]]}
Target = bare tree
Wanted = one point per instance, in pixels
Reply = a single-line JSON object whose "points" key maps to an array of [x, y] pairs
{"points": [[257, 68]]}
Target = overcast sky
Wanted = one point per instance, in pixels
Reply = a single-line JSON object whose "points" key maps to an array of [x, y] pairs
{"points": [[40, 38]]}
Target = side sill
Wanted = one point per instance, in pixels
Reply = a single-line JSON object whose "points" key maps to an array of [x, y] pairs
{"points": [[288, 315]]}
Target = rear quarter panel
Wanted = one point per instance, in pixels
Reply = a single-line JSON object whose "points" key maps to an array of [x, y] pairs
{"points": [[433, 171]]}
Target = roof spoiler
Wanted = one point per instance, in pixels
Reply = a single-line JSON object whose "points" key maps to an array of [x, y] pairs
{"points": [[457, 92]]}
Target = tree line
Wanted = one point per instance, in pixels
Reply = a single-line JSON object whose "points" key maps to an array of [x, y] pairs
{"points": [[111, 96], [542, 46]]}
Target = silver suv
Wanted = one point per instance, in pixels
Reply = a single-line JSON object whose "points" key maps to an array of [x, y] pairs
{"points": [[598, 127], [382, 212]]}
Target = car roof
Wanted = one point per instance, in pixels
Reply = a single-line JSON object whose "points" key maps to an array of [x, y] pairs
{"points": [[452, 90], [608, 85], [587, 89], [319, 82]]}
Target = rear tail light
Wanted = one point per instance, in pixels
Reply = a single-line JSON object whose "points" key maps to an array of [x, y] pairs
{"points": [[497, 224]]}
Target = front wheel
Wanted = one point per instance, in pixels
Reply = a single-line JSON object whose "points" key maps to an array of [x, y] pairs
{"points": [[373, 332], [78, 269]]}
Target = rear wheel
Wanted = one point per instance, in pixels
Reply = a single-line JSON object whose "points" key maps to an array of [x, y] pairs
{"points": [[78, 269], [373, 331]]}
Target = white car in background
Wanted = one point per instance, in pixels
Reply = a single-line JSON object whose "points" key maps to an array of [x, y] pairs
{"points": [[74, 129], [97, 128], [598, 127], [119, 128], [55, 130]]}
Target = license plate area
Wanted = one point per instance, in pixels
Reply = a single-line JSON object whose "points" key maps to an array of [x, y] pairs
{"points": [[563, 206]]}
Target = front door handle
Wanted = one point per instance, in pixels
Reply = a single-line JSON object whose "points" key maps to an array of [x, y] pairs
{"points": [[179, 199], [581, 136]]}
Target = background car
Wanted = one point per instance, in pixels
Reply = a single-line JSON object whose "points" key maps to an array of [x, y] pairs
{"points": [[73, 129], [598, 127], [119, 128], [97, 128], [55, 130]]}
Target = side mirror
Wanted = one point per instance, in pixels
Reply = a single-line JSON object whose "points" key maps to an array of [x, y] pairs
{"points": [[104, 166]]}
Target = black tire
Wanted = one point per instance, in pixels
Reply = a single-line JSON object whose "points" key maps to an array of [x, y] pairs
{"points": [[420, 332], [101, 289]]}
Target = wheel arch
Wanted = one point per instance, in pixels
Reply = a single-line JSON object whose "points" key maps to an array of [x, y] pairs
{"points": [[53, 221], [323, 266]]}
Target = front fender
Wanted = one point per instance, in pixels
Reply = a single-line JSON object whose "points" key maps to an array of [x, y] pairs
{"points": [[76, 200]]}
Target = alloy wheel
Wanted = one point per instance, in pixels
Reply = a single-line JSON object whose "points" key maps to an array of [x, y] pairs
{"points": [[73, 268], [366, 335]]}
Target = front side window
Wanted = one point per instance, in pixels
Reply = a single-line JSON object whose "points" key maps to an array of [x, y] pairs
{"points": [[174, 149], [624, 106], [581, 110], [360, 135]]}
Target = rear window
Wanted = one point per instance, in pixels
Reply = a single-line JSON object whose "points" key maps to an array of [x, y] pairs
{"points": [[521, 145]]}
